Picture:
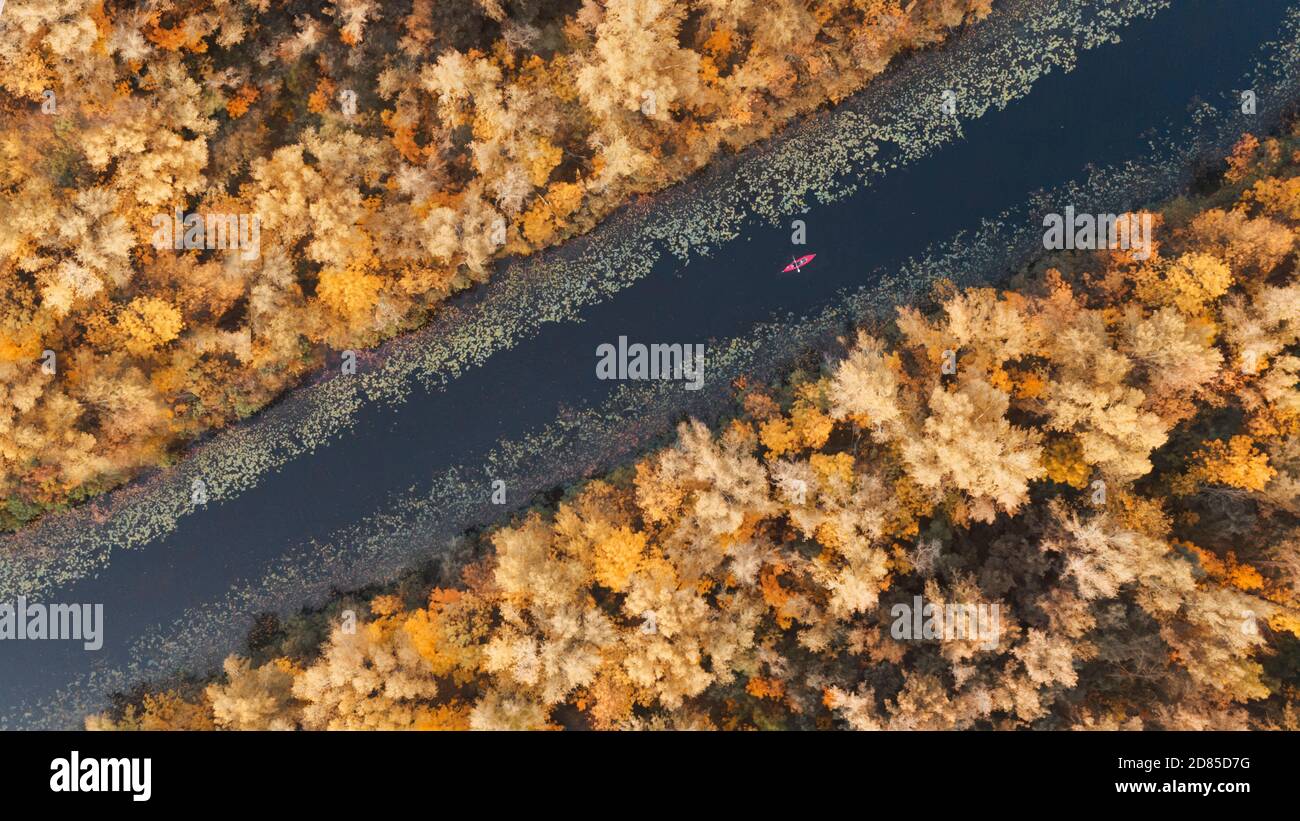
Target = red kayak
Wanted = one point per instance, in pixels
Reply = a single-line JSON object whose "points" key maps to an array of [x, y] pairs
{"points": [[798, 263]]}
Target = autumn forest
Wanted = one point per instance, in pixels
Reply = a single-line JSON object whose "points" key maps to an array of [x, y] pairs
{"points": [[390, 155], [1063, 498], [1113, 462]]}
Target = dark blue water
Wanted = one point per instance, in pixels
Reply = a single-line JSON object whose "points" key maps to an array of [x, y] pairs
{"points": [[1103, 112]]}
